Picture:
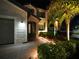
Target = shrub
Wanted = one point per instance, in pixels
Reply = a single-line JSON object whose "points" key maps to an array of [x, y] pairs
{"points": [[61, 50], [68, 45], [49, 51], [75, 41], [47, 34], [50, 34], [43, 34]]}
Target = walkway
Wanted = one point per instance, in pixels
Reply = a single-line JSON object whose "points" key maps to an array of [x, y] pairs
{"points": [[22, 51]]}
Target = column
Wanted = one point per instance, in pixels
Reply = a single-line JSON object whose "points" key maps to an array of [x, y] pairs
{"points": [[68, 31]]}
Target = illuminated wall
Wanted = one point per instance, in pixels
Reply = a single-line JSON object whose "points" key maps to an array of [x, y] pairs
{"points": [[9, 10], [20, 30]]}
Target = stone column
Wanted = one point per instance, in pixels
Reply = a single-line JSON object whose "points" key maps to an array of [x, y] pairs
{"points": [[54, 31], [68, 31]]}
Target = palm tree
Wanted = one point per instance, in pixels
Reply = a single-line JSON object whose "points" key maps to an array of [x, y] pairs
{"points": [[63, 10]]}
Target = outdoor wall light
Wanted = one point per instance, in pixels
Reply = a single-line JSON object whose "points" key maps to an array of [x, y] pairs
{"points": [[55, 27], [56, 24], [22, 25], [21, 21]]}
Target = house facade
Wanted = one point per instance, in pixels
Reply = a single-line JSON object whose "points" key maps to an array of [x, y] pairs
{"points": [[37, 21], [19, 25], [13, 23]]}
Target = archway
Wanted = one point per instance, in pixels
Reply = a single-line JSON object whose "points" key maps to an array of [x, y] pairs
{"points": [[31, 28], [74, 27], [62, 32], [63, 28]]}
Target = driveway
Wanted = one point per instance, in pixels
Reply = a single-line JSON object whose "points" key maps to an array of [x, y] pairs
{"points": [[21, 51]]}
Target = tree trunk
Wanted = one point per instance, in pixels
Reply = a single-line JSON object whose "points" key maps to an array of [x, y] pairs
{"points": [[68, 31]]}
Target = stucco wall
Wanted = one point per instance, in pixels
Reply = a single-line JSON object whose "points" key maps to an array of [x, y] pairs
{"points": [[8, 10], [20, 30]]}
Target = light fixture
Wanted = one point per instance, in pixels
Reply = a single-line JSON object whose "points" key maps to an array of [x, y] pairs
{"points": [[21, 21], [56, 24], [22, 25]]}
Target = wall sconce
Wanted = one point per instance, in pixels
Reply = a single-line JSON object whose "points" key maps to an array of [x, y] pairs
{"points": [[56, 24], [22, 24], [21, 21]]}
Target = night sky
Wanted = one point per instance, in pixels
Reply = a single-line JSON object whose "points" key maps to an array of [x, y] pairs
{"points": [[74, 22], [37, 3]]}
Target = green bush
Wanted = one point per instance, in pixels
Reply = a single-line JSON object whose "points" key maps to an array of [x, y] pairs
{"points": [[47, 34], [43, 34], [69, 47], [61, 50], [50, 34], [75, 41], [49, 51]]}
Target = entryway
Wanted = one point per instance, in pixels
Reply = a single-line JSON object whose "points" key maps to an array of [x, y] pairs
{"points": [[31, 29]]}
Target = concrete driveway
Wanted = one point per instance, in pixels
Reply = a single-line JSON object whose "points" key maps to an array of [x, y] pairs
{"points": [[21, 51]]}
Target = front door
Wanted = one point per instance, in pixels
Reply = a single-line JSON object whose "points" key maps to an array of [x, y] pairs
{"points": [[31, 31]]}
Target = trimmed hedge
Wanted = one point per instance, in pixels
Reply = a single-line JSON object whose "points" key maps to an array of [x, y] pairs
{"points": [[62, 50], [47, 34], [43, 34]]}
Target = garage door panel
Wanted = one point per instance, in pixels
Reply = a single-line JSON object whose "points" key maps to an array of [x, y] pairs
{"points": [[6, 31]]}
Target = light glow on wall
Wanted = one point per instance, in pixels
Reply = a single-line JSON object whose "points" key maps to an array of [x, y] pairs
{"points": [[56, 25], [22, 25]]}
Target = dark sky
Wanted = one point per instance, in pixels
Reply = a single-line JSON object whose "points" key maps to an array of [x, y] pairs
{"points": [[74, 22], [37, 3]]}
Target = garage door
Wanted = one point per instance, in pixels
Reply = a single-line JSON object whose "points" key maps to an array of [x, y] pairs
{"points": [[6, 31]]}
